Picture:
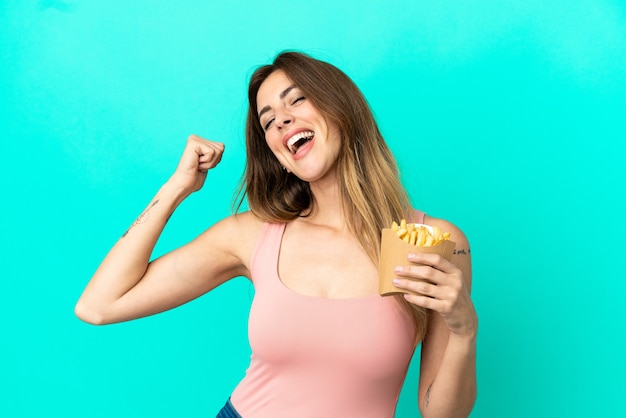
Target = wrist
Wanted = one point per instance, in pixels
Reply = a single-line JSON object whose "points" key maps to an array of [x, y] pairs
{"points": [[468, 338], [174, 192], [468, 330]]}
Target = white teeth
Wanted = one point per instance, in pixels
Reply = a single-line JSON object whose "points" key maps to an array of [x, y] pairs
{"points": [[292, 143]]}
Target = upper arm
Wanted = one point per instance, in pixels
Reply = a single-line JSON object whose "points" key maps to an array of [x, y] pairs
{"points": [[437, 333], [215, 256], [462, 255]]}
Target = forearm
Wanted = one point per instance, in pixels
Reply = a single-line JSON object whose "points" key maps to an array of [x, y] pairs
{"points": [[453, 391], [128, 259]]}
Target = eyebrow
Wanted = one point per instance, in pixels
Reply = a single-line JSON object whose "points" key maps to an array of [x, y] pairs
{"points": [[282, 95]]}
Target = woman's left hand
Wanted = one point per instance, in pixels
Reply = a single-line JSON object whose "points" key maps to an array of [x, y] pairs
{"points": [[440, 287]]}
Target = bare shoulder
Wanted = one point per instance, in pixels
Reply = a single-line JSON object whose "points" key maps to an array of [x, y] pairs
{"points": [[237, 227], [244, 222], [456, 234], [235, 236], [462, 252]]}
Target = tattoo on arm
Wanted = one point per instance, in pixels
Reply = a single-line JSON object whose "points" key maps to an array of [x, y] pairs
{"points": [[462, 251], [427, 401], [145, 215]]}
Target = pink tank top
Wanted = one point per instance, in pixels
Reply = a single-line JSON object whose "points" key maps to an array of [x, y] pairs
{"points": [[319, 357]]}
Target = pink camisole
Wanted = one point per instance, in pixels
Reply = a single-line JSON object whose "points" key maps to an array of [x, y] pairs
{"points": [[320, 357]]}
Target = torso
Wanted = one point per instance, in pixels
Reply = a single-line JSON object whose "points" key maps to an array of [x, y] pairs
{"points": [[312, 356], [321, 261]]}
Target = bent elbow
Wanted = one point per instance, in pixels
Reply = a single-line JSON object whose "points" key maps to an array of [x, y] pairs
{"points": [[90, 316]]}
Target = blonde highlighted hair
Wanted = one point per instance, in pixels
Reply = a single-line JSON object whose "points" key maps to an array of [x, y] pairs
{"points": [[372, 195]]}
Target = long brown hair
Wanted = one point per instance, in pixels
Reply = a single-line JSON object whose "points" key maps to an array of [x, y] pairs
{"points": [[372, 195]]}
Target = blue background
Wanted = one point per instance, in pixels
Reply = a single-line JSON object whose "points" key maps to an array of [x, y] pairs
{"points": [[507, 118]]}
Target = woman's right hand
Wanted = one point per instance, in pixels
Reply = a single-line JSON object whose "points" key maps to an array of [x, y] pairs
{"points": [[200, 155]]}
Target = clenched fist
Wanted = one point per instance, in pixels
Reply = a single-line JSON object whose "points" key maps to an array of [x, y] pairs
{"points": [[200, 155]]}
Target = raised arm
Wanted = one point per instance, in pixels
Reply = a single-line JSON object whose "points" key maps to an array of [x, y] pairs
{"points": [[127, 285], [447, 386]]}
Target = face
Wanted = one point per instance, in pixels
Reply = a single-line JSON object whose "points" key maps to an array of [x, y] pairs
{"points": [[302, 140]]}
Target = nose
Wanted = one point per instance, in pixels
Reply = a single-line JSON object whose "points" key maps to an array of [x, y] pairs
{"points": [[283, 118]]}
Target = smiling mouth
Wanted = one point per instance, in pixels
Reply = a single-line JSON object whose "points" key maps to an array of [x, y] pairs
{"points": [[295, 142]]}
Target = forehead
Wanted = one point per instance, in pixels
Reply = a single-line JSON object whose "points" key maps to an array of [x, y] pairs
{"points": [[272, 87]]}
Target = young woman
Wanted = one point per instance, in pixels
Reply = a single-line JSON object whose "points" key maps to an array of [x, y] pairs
{"points": [[321, 184]]}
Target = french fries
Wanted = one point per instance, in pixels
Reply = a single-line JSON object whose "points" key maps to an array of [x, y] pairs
{"points": [[418, 234]]}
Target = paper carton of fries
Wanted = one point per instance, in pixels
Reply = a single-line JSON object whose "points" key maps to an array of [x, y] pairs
{"points": [[400, 240]]}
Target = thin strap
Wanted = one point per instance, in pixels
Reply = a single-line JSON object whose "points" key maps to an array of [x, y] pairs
{"points": [[266, 249], [259, 244]]}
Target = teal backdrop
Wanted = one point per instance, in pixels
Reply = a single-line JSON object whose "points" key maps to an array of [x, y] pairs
{"points": [[507, 118]]}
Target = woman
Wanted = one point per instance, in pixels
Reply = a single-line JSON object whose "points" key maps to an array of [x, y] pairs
{"points": [[321, 184]]}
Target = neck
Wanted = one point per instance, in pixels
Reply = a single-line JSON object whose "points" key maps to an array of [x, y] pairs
{"points": [[328, 208]]}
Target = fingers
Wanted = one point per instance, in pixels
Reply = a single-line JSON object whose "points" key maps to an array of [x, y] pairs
{"points": [[417, 286], [436, 285], [427, 289], [207, 154], [443, 306], [435, 260], [209, 157], [438, 274], [440, 292], [199, 156]]}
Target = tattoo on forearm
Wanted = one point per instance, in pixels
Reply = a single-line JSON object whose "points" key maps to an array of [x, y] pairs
{"points": [[462, 251], [427, 401], [145, 215]]}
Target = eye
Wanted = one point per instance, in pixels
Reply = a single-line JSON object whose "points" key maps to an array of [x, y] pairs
{"points": [[297, 100], [268, 123]]}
